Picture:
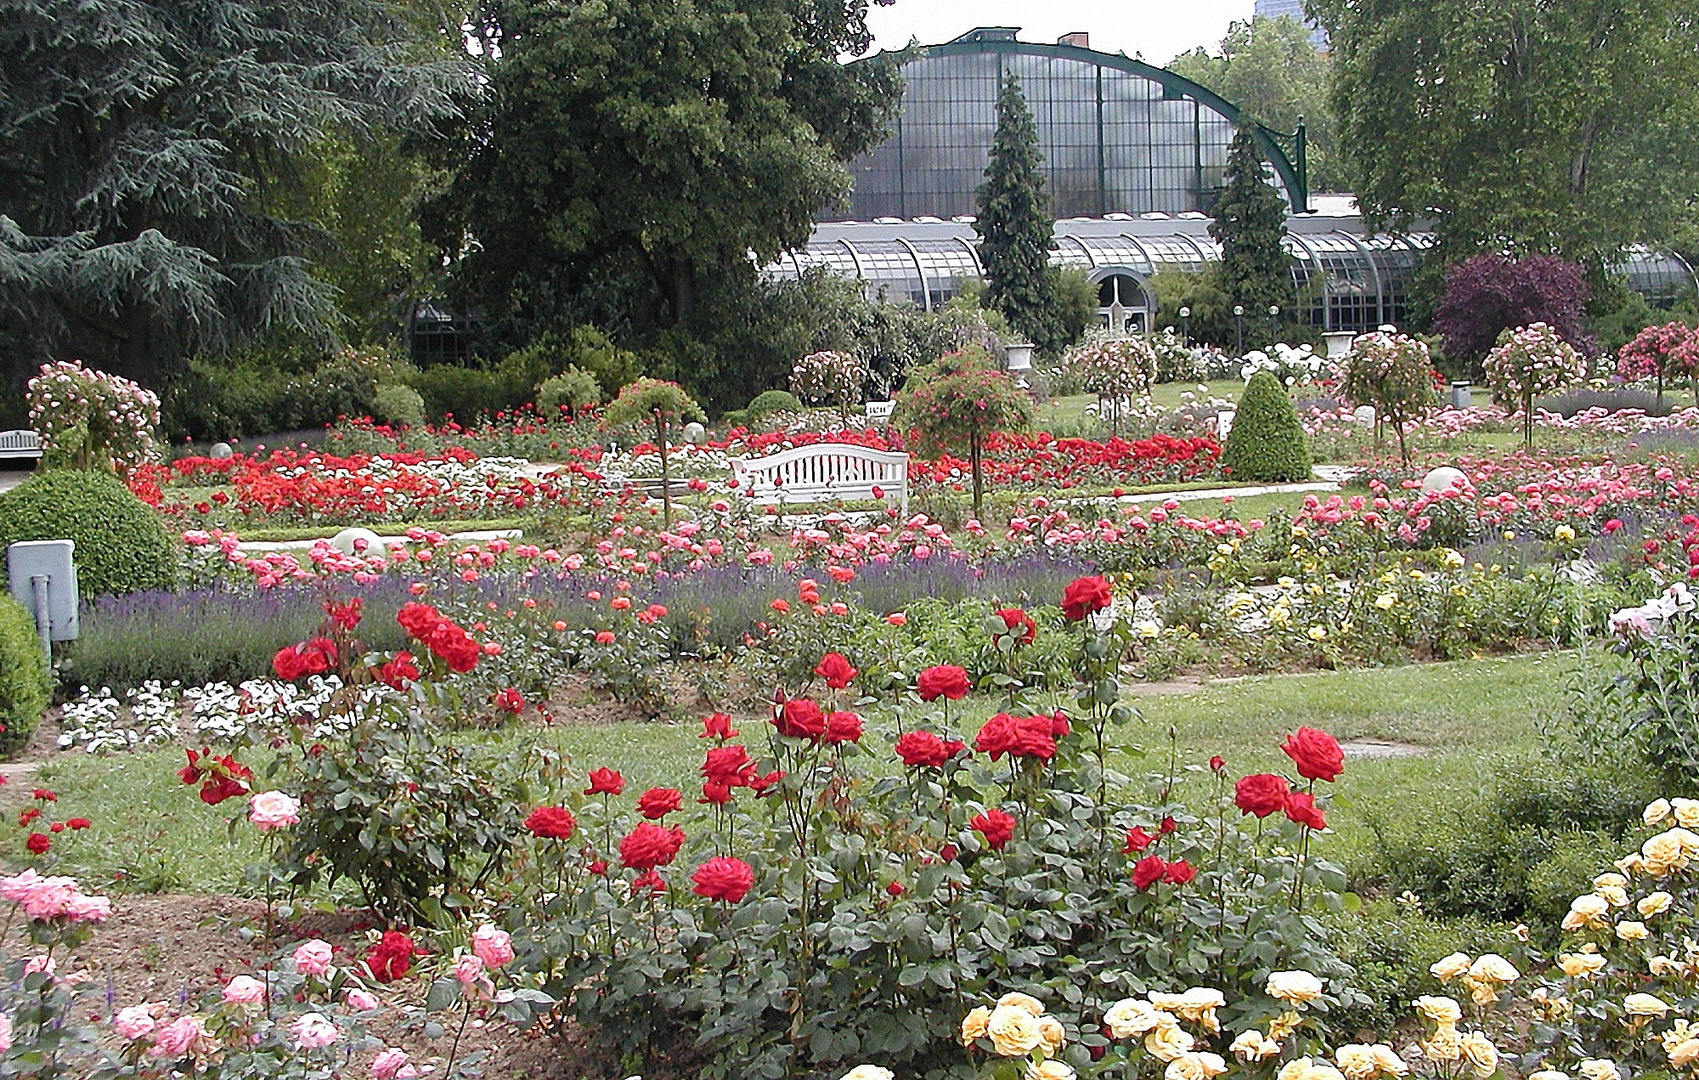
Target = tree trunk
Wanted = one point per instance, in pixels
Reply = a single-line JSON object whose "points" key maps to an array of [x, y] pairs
{"points": [[973, 452]]}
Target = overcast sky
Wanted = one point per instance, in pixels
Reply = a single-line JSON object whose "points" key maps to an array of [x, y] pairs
{"points": [[1157, 29]]}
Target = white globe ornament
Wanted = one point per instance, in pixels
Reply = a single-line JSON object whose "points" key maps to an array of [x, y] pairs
{"points": [[1442, 478], [221, 451], [1364, 415], [357, 541]]}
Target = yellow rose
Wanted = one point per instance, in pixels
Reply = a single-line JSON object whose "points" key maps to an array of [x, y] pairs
{"points": [[1662, 853], [1356, 1061], [1656, 812], [1563, 534], [1049, 1069], [1195, 1066], [1294, 987], [1613, 895], [1021, 1001], [1664, 965], [1482, 1054], [1610, 881], [1688, 840], [1294, 1069], [1580, 965], [1445, 1045], [1491, 967], [1166, 1002], [1452, 967], [1443, 1011], [1252, 1046], [1686, 812], [1283, 1025], [1481, 991], [1586, 912], [868, 1072], [1050, 1030], [1013, 1031], [1389, 1062], [1685, 1055], [1198, 1005], [1629, 930], [1678, 1033], [973, 1025], [1167, 1041], [1548, 1074], [1600, 1069], [1322, 1071], [1654, 904], [1131, 1017], [1644, 1005]]}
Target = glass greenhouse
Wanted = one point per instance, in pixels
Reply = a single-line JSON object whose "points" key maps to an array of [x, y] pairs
{"points": [[1118, 135]]}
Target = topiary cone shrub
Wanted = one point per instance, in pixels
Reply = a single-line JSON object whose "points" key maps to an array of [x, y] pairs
{"points": [[122, 545], [1267, 443], [25, 683]]}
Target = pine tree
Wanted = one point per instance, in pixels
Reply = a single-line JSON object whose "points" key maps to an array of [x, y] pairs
{"points": [[1249, 223], [1015, 225]]}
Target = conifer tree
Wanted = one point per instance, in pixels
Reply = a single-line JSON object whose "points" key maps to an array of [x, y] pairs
{"points": [[1249, 223], [1015, 225]]}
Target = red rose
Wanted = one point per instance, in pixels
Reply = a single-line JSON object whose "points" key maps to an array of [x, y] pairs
{"points": [[800, 718], [1261, 794], [658, 802], [219, 788], [944, 680], [391, 957], [1301, 807], [647, 846], [1084, 596], [44, 795], [28, 815], [1167, 826], [843, 727], [835, 670], [921, 749], [1148, 871], [454, 647], [1179, 873], [599, 867], [997, 827], [79, 823], [648, 879], [728, 766], [1316, 753], [1035, 737], [760, 784], [895, 888], [723, 879], [1137, 840], [997, 736], [717, 726], [191, 773], [605, 781], [287, 664], [715, 793], [1218, 764], [551, 822], [1020, 624], [38, 843], [510, 701], [397, 673], [952, 747], [418, 620], [1059, 726], [56, 828]]}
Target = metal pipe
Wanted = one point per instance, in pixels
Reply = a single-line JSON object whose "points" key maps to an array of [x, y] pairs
{"points": [[43, 618]]}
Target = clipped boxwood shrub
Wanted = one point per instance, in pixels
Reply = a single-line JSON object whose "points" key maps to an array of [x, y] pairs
{"points": [[25, 681], [573, 388], [1267, 443], [122, 545], [768, 402]]}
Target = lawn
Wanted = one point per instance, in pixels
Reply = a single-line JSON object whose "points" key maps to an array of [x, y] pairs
{"points": [[1461, 720]]}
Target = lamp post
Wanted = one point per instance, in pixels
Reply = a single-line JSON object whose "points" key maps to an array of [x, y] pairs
{"points": [[1186, 326], [1273, 318], [1239, 325]]}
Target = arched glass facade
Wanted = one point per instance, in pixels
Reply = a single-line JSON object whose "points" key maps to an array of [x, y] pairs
{"points": [[1118, 136], [1346, 279]]}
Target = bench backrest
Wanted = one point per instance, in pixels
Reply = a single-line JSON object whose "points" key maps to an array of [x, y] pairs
{"points": [[823, 472], [19, 444]]}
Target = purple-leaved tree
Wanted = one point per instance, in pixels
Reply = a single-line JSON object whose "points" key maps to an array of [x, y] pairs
{"points": [[1488, 294]]}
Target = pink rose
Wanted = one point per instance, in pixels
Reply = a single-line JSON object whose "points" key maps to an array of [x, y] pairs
{"points": [[244, 990], [134, 1022], [5, 1033], [312, 957], [361, 1001], [391, 1064], [178, 1038], [42, 963], [313, 1031], [493, 945], [467, 968], [273, 810]]}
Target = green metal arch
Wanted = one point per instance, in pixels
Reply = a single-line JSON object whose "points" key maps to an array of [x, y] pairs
{"points": [[1271, 142]]}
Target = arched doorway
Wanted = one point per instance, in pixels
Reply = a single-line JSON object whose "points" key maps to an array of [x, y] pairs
{"points": [[1123, 306]]}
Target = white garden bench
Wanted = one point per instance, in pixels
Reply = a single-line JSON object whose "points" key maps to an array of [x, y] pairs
{"points": [[20, 445], [824, 472]]}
